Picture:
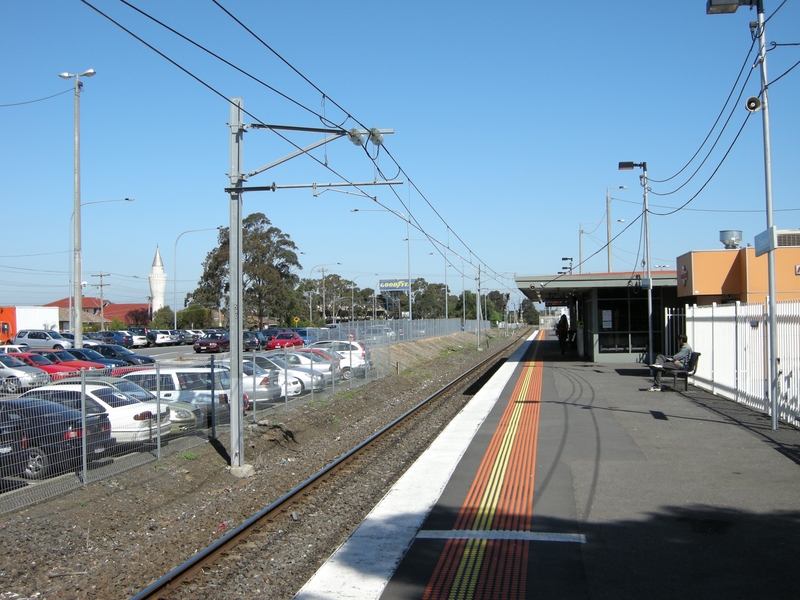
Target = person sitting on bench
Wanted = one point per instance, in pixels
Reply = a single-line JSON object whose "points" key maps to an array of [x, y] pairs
{"points": [[678, 362]]}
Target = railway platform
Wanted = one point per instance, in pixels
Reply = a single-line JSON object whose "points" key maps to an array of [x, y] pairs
{"points": [[567, 479]]}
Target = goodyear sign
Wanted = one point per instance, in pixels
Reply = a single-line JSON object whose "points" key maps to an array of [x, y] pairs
{"points": [[393, 285]]}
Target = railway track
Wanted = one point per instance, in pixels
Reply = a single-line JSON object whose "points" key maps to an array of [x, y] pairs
{"points": [[346, 477]]}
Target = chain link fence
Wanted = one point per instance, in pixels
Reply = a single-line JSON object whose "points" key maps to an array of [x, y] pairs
{"points": [[57, 437]]}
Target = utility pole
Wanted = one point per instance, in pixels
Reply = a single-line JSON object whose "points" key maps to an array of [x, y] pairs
{"points": [[101, 285]]}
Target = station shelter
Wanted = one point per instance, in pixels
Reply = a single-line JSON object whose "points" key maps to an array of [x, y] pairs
{"points": [[608, 312]]}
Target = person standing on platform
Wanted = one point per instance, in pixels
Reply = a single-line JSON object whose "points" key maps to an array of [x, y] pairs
{"points": [[671, 363], [562, 330]]}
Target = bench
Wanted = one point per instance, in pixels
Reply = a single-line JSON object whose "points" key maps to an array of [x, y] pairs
{"points": [[685, 373]]}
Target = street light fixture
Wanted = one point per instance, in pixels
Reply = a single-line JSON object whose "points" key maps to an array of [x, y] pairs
{"points": [[71, 262], [581, 231], [175, 272], [730, 6], [569, 258], [648, 282], [608, 220], [77, 205], [408, 239]]}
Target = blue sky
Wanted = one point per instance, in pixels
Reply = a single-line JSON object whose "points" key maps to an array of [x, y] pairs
{"points": [[510, 119]]}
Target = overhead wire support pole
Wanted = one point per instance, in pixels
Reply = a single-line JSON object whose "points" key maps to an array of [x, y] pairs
{"points": [[236, 317], [236, 306]]}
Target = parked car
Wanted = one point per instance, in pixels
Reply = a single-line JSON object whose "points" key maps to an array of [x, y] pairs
{"points": [[12, 349], [42, 338], [380, 333], [139, 339], [185, 417], [55, 371], [325, 355], [17, 376], [258, 383], [213, 342], [131, 420], [289, 385], [86, 341], [354, 355], [115, 337], [272, 333], [250, 341], [92, 355], [309, 378], [286, 339], [190, 336], [329, 369], [53, 434], [123, 355], [178, 337], [189, 384], [62, 357], [160, 337], [12, 452]]}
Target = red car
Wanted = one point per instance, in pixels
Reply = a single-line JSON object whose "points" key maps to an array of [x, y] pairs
{"points": [[64, 358], [213, 342], [286, 339], [55, 371]]}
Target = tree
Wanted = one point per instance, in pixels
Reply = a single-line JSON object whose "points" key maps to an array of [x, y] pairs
{"points": [[163, 318], [529, 313], [268, 258], [194, 316], [116, 325], [138, 317]]}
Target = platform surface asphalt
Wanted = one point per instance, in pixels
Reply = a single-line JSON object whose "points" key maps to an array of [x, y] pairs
{"points": [[634, 494]]}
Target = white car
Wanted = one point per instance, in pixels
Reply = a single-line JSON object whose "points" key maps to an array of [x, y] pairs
{"points": [[139, 340], [13, 349], [354, 355], [131, 420]]}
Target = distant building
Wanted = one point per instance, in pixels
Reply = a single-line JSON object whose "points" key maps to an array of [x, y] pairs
{"points": [[158, 282]]}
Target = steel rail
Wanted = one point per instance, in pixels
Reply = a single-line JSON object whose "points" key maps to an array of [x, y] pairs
{"points": [[172, 580]]}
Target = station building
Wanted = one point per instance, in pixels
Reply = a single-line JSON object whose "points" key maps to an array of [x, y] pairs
{"points": [[608, 312]]}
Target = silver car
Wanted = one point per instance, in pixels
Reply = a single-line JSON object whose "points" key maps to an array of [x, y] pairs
{"points": [[42, 338], [17, 376], [309, 378]]}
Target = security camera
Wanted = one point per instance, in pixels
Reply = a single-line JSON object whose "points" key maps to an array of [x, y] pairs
{"points": [[753, 104]]}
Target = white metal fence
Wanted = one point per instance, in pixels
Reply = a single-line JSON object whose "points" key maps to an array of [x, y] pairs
{"points": [[733, 342]]}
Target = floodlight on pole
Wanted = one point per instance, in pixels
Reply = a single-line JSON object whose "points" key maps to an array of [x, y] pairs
{"points": [[754, 104], [76, 243]]}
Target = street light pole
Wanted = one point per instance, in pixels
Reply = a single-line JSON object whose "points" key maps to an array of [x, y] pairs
{"points": [[353, 295], [175, 273], [608, 220], [77, 205], [730, 6], [71, 265], [408, 239], [323, 286]]}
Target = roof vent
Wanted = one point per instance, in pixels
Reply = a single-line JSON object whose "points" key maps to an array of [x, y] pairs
{"points": [[731, 238]]}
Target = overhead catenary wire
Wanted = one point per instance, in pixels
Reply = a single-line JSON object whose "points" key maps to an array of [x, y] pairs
{"points": [[412, 218]]}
